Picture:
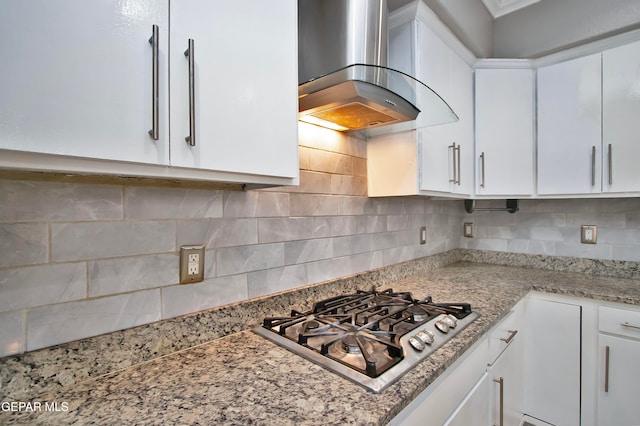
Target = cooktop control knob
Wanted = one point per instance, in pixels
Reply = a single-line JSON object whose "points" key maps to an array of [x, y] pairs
{"points": [[450, 320], [417, 344], [442, 326], [426, 336]]}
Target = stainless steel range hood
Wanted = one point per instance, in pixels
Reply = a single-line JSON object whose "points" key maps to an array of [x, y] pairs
{"points": [[345, 83]]}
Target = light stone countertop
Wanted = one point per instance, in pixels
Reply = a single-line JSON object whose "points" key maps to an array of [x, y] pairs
{"points": [[244, 379]]}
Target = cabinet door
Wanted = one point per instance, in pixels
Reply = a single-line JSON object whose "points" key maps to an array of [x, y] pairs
{"points": [[504, 132], [620, 124], [569, 130], [474, 410], [507, 386], [77, 78], [245, 59], [619, 381], [552, 361], [442, 168]]}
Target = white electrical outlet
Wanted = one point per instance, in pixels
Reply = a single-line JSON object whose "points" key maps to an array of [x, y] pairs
{"points": [[588, 234], [468, 229], [191, 264]]}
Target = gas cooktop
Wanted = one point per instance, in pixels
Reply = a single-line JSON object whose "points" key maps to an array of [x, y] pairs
{"points": [[370, 337]]}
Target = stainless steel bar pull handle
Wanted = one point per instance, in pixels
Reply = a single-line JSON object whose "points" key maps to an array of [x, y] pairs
{"points": [[501, 414], [482, 170], [453, 156], [593, 166], [155, 92], [606, 368], [512, 334], [189, 53], [627, 324], [459, 164], [610, 165]]}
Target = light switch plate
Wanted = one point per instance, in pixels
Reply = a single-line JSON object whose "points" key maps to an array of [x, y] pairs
{"points": [[468, 229], [423, 235], [588, 234]]}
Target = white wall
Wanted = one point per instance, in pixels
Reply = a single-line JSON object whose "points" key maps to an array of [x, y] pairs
{"points": [[552, 25]]}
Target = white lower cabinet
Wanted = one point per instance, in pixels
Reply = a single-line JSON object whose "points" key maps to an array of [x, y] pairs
{"points": [[474, 409], [619, 371], [505, 370], [435, 405], [552, 360]]}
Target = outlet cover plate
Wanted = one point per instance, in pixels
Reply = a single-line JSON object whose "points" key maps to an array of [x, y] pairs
{"points": [[468, 229], [191, 264], [588, 234], [423, 235]]}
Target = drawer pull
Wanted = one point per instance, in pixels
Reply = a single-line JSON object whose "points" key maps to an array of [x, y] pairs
{"points": [[626, 324], [154, 41], [500, 381], [606, 368], [190, 54], [511, 336]]}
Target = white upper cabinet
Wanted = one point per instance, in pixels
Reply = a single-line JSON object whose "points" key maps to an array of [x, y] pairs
{"points": [[569, 127], [245, 86], [620, 115], [504, 131], [77, 78], [435, 160], [82, 85], [446, 150]]}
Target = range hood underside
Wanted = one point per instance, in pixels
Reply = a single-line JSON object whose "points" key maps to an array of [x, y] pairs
{"points": [[355, 105]]}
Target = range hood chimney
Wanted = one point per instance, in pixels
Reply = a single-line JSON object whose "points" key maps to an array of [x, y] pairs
{"points": [[344, 81]]}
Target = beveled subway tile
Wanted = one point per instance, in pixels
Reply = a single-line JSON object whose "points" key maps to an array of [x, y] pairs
{"points": [[626, 252], [96, 240], [121, 275], [171, 203], [12, 333], [348, 185], [293, 228], [236, 260], [250, 204], [215, 233], [262, 283], [23, 244], [313, 205], [307, 250], [54, 324], [352, 244], [312, 183], [330, 162], [184, 299], [42, 285], [347, 225], [29, 201]]}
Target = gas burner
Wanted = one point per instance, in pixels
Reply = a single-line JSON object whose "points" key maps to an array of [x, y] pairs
{"points": [[350, 344], [372, 337], [419, 314]]}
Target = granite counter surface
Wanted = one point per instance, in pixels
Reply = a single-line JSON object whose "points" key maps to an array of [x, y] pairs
{"points": [[244, 379]]}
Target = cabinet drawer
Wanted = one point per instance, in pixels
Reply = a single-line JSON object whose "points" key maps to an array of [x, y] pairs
{"points": [[501, 336], [624, 322]]}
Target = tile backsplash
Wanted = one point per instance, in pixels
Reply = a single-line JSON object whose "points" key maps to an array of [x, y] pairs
{"points": [[552, 227], [82, 259]]}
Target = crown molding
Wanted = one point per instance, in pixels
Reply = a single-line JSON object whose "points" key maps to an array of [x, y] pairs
{"points": [[418, 10]]}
